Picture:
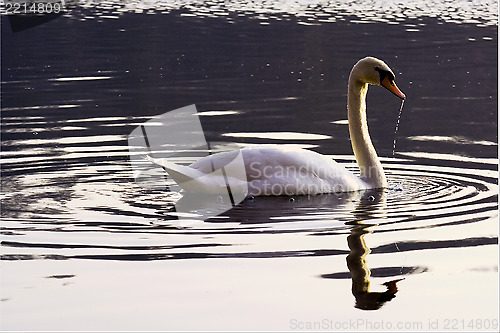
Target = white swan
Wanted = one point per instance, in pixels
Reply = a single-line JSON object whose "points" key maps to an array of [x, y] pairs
{"points": [[275, 170]]}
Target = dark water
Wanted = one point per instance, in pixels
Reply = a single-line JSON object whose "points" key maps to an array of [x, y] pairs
{"points": [[85, 247]]}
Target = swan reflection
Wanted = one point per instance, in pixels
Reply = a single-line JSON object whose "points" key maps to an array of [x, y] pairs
{"points": [[371, 203], [360, 274]]}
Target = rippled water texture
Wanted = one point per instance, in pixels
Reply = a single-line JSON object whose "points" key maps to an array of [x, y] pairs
{"points": [[86, 247]]}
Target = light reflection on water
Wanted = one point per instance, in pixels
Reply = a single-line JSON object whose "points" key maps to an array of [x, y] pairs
{"points": [[74, 218], [481, 13]]}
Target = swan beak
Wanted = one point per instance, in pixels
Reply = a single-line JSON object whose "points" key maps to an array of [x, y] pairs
{"points": [[391, 86]]}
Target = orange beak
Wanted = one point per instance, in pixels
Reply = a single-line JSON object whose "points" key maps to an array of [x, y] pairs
{"points": [[391, 86]]}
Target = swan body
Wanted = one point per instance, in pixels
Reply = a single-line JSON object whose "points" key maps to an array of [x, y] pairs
{"points": [[278, 170]]}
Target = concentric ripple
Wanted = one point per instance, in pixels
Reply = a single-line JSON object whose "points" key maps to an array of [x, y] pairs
{"points": [[84, 184], [437, 195]]}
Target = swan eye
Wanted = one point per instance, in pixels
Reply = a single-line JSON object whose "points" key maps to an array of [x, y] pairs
{"points": [[384, 74]]}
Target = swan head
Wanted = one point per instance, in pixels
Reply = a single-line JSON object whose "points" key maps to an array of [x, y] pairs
{"points": [[374, 71]]}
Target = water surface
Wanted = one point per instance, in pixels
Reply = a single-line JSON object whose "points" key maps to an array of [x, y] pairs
{"points": [[84, 247]]}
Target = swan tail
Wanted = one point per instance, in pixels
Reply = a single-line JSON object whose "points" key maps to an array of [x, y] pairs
{"points": [[186, 177], [228, 180], [195, 181]]}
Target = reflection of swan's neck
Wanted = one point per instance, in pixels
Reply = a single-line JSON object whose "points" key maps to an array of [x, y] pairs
{"points": [[356, 262], [360, 274], [369, 165]]}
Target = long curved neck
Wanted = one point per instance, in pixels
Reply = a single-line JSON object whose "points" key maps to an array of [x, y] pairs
{"points": [[370, 168]]}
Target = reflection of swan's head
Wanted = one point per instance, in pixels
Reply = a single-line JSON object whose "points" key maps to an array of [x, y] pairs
{"points": [[374, 71]]}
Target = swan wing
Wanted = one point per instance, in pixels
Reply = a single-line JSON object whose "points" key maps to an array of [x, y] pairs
{"points": [[291, 171], [271, 170]]}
